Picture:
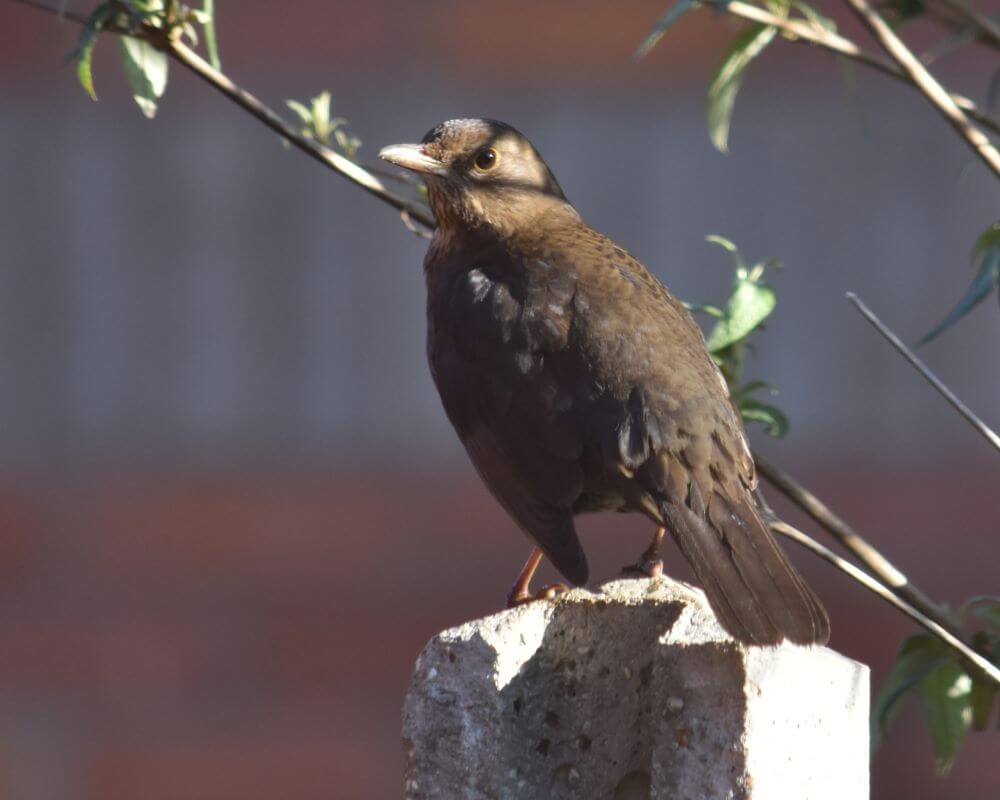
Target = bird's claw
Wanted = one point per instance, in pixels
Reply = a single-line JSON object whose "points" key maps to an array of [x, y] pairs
{"points": [[550, 592], [646, 568]]}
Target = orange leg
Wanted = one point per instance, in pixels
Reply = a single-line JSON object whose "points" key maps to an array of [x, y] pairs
{"points": [[650, 564], [521, 593]]}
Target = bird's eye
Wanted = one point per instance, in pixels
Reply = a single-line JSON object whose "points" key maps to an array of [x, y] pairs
{"points": [[486, 159]]}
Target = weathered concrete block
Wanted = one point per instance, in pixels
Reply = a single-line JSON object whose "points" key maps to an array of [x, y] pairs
{"points": [[633, 692]]}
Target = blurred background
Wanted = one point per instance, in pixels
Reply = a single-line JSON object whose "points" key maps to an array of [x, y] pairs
{"points": [[231, 508]]}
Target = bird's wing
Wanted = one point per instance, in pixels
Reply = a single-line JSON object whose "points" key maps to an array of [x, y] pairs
{"points": [[490, 347], [673, 425]]}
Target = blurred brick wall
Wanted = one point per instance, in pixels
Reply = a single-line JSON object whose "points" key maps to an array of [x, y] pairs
{"points": [[241, 638]]}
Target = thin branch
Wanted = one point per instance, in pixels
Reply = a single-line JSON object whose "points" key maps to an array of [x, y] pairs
{"points": [[985, 25], [866, 580], [981, 427], [927, 84], [866, 553], [221, 83], [804, 32]]}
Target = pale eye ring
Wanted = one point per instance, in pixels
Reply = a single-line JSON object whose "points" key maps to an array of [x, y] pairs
{"points": [[486, 159]]}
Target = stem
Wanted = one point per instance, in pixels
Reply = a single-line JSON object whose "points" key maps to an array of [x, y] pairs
{"points": [[217, 80], [987, 28], [804, 32], [980, 426], [324, 155], [978, 662], [874, 561], [927, 84]]}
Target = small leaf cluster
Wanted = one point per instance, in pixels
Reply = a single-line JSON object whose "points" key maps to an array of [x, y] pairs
{"points": [[318, 125], [145, 64], [750, 303], [747, 45], [956, 697]]}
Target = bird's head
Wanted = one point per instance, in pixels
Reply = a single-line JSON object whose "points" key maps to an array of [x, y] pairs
{"points": [[481, 174]]}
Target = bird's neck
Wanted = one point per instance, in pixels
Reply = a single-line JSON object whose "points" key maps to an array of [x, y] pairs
{"points": [[510, 219]]}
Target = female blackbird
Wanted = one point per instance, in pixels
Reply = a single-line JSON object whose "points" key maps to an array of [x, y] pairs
{"points": [[578, 383]]}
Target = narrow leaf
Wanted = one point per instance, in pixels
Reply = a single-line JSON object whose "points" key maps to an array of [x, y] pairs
{"points": [[748, 389], [987, 251], [946, 692], [726, 83], [208, 8], [983, 697], [678, 10], [84, 50], [773, 418], [749, 305], [918, 656], [300, 110], [146, 70]]}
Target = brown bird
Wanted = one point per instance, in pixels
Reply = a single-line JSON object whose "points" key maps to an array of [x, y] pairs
{"points": [[578, 383]]}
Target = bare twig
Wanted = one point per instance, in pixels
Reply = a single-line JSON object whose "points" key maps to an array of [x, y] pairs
{"points": [[927, 84], [981, 427], [874, 561], [329, 158], [978, 662], [221, 83], [423, 233], [805, 32], [983, 24]]}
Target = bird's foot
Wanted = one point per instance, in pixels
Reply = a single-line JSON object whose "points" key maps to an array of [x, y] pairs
{"points": [[646, 568], [519, 597]]}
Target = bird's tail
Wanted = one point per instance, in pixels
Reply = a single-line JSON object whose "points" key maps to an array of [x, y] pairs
{"points": [[755, 592]]}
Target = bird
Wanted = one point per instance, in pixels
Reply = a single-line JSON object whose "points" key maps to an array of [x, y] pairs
{"points": [[578, 383]]}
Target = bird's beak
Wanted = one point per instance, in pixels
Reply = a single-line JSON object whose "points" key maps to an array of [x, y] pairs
{"points": [[412, 156]]}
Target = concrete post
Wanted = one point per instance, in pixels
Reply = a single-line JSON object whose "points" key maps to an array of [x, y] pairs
{"points": [[633, 692]]}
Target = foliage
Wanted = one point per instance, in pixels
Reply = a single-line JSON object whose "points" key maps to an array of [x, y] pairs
{"points": [[955, 697], [318, 125], [750, 303], [751, 42], [728, 79], [145, 64]]}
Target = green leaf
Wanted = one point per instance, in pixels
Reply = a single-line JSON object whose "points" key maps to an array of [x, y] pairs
{"points": [[321, 117], [904, 10], [773, 418], [300, 110], [84, 50], [749, 388], [918, 656], [947, 695], [984, 606], [674, 13], [814, 16], [983, 697], [704, 308], [726, 83], [748, 306], [208, 22], [146, 70], [987, 252], [727, 245]]}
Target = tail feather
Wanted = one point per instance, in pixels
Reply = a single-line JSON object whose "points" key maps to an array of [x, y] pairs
{"points": [[756, 593]]}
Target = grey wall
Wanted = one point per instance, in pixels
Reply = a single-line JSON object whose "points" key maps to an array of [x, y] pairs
{"points": [[187, 291]]}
